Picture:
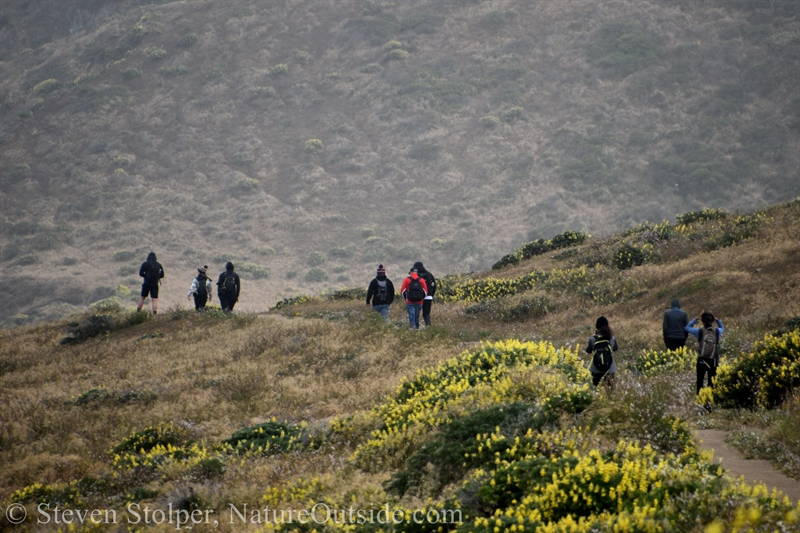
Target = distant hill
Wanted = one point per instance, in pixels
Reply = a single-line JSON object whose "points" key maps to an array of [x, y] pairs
{"points": [[309, 140]]}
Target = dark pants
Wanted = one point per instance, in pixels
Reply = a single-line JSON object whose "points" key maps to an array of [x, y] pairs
{"points": [[426, 311], [200, 301], [705, 366], [674, 344], [605, 377], [226, 302]]}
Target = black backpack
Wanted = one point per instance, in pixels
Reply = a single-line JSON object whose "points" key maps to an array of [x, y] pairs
{"points": [[430, 281], [228, 284], [153, 274], [603, 354], [202, 287], [415, 292]]}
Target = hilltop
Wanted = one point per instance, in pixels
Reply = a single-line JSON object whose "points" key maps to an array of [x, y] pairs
{"points": [[320, 401], [310, 140]]}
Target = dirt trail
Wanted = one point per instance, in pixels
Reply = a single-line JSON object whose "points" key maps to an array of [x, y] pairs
{"points": [[753, 470]]}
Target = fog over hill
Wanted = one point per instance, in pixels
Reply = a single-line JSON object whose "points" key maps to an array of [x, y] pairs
{"points": [[309, 140]]}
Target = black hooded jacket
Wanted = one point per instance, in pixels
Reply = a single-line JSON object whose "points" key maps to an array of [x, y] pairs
{"points": [[151, 270], [430, 281], [373, 294], [229, 272]]}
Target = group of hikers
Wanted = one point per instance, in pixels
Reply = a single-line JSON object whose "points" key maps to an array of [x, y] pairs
{"points": [[418, 290], [676, 330], [228, 285]]}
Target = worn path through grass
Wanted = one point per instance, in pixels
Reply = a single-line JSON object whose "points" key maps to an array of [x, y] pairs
{"points": [[753, 470]]}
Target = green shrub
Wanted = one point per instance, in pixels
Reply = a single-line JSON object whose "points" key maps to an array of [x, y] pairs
{"points": [[371, 68], [264, 250], [257, 272], [396, 55], [340, 251], [242, 159], [765, 377], [316, 259], [511, 114], [129, 41], [46, 86], [28, 259], [21, 170], [174, 70], [316, 275], [490, 122], [160, 435], [131, 73], [281, 68], [314, 146], [214, 73], [188, 40], [155, 53], [270, 438], [263, 92], [629, 255], [245, 185], [86, 78], [701, 216], [302, 57]]}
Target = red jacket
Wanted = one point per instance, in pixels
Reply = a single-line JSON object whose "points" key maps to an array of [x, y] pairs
{"points": [[407, 282]]}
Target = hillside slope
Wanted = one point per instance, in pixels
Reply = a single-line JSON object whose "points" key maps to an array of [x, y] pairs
{"points": [[113, 408], [447, 131]]}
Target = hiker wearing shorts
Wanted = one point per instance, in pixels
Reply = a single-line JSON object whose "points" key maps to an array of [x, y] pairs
{"points": [[602, 346], [152, 272], [674, 327], [430, 283], [381, 293], [200, 289], [228, 288], [414, 292], [708, 338]]}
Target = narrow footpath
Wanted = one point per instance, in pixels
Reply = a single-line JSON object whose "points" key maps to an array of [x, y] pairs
{"points": [[753, 470]]}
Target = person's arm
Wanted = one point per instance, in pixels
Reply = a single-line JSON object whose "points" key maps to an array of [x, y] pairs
{"points": [[238, 285], [161, 269], [693, 330], [664, 326], [208, 289], [720, 327], [590, 345], [193, 288], [424, 286], [615, 347], [370, 290], [404, 288], [389, 292], [142, 273]]}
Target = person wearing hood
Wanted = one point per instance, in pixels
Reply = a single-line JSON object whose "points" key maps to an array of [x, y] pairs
{"points": [[381, 293], [152, 272], [200, 289], [674, 328], [430, 282], [228, 288], [414, 290]]}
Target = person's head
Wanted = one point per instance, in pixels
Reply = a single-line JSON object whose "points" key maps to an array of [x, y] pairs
{"points": [[602, 327], [151, 256], [419, 267], [676, 303], [381, 272], [229, 266], [707, 318], [413, 272], [201, 272]]}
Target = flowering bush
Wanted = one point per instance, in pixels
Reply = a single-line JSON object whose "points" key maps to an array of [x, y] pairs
{"points": [[764, 377], [651, 362], [270, 438]]}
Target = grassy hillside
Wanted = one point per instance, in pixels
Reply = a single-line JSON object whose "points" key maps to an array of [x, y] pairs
{"points": [[310, 140], [320, 401]]}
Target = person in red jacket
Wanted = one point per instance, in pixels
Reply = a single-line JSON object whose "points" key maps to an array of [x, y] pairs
{"points": [[414, 291]]}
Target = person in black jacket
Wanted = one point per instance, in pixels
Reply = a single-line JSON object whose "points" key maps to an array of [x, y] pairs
{"points": [[152, 272], [430, 281], [381, 293], [674, 328], [228, 288]]}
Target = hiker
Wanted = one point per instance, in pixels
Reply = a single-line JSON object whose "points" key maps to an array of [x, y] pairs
{"points": [[414, 291], [708, 338], [200, 289], [152, 272], [674, 328], [602, 346], [430, 282], [228, 287], [381, 293]]}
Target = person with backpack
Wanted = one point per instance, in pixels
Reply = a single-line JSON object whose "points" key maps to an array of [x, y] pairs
{"points": [[674, 327], [152, 272], [430, 282], [602, 346], [708, 338], [414, 290], [228, 287], [381, 293], [200, 289]]}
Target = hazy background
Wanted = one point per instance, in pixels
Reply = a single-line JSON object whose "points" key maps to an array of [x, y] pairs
{"points": [[309, 140]]}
